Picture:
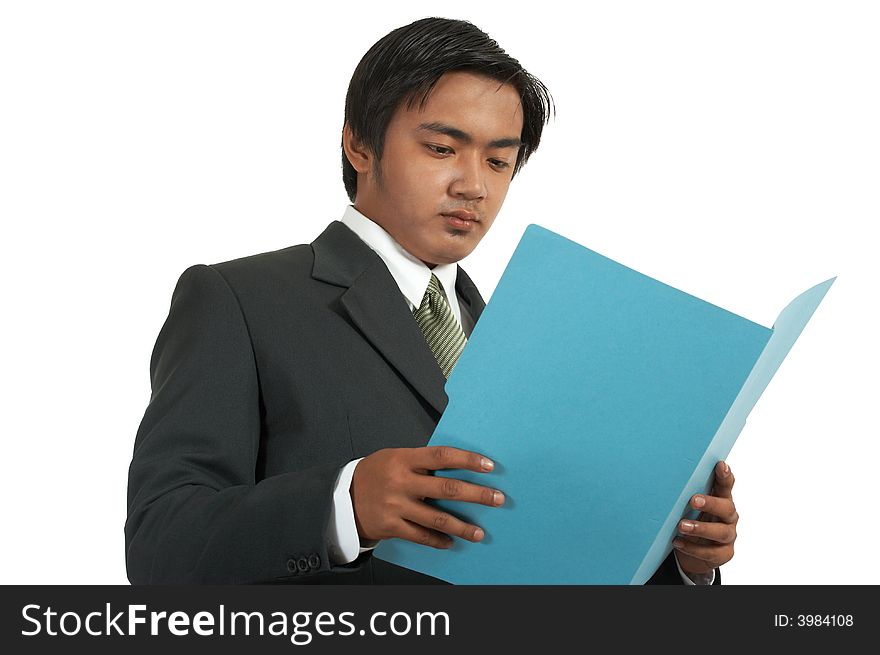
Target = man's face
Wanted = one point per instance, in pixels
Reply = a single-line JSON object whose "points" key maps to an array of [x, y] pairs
{"points": [[456, 154]]}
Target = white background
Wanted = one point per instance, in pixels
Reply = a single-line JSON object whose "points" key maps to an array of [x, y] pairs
{"points": [[727, 149]]}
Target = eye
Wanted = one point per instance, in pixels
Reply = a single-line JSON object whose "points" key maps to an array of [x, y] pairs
{"points": [[437, 149], [500, 164]]}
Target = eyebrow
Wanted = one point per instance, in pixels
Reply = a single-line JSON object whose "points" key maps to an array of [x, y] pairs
{"points": [[464, 137]]}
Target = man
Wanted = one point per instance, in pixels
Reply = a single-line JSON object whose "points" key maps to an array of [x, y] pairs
{"points": [[294, 391]]}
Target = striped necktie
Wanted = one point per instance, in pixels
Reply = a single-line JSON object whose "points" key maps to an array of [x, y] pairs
{"points": [[441, 329]]}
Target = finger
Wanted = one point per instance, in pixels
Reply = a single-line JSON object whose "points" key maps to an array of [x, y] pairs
{"points": [[723, 533], [714, 555], [433, 458], [723, 480], [436, 520], [715, 508], [696, 540], [455, 489], [422, 535]]}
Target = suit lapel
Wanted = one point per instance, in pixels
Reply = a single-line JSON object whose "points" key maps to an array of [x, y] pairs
{"points": [[469, 293], [386, 321], [377, 308]]}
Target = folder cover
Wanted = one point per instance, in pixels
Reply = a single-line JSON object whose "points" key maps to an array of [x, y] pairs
{"points": [[605, 398]]}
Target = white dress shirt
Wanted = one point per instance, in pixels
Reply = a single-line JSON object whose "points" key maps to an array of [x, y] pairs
{"points": [[412, 277]]}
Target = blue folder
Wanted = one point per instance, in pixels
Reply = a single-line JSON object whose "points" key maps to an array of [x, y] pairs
{"points": [[605, 398]]}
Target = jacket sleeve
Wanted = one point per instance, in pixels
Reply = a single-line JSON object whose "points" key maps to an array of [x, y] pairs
{"points": [[667, 573], [196, 514]]}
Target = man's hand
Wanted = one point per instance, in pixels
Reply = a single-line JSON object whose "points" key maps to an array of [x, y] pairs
{"points": [[707, 543], [388, 489]]}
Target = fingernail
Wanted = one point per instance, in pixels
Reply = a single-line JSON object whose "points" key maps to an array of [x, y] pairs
{"points": [[478, 534], [487, 464], [687, 526], [699, 501], [678, 543], [726, 470], [498, 497]]}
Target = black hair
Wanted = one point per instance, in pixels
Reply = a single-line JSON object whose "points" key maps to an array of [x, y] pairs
{"points": [[409, 60]]}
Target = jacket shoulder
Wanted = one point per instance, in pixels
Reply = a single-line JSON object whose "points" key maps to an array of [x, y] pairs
{"points": [[291, 255], [266, 268]]}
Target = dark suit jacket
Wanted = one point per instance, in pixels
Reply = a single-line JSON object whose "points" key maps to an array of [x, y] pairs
{"points": [[270, 373]]}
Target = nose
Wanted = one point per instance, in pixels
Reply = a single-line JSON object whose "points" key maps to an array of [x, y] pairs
{"points": [[469, 178]]}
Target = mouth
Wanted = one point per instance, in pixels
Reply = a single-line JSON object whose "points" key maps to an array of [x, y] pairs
{"points": [[461, 219]]}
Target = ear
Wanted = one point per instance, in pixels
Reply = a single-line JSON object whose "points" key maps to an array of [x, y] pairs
{"points": [[358, 155]]}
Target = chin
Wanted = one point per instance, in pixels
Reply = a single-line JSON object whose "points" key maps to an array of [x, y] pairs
{"points": [[447, 254], [452, 258]]}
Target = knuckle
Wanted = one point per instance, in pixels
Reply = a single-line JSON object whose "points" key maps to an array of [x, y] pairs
{"points": [[393, 455], [728, 554], [396, 478], [709, 555], [394, 507], [451, 487], [442, 454], [386, 523], [441, 520], [424, 538]]}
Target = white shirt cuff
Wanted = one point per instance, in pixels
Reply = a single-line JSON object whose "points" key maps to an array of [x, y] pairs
{"points": [[695, 578], [343, 541]]}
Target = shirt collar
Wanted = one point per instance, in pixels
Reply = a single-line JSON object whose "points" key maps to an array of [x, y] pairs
{"points": [[411, 274]]}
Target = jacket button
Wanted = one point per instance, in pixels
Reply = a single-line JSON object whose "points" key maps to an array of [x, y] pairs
{"points": [[314, 561], [302, 564], [291, 565]]}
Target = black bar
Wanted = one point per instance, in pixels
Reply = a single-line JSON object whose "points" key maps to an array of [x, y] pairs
{"points": [[557, 619]]}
